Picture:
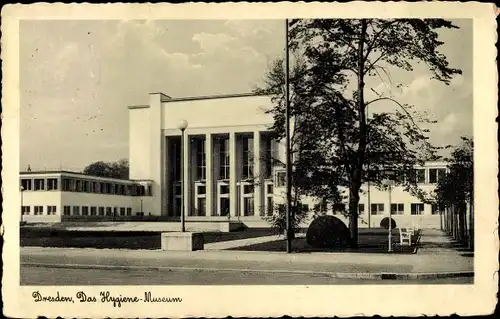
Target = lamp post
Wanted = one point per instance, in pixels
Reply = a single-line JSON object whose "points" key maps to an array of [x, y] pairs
{"points": [[22, 204], [389, 182], [183, 124]]}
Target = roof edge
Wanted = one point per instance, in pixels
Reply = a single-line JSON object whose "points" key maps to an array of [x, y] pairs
{"points": [[213, 97]]}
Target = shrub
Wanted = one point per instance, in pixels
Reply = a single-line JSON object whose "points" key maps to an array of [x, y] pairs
{"points": [[384, 223], [328, 232], [278, 219]]}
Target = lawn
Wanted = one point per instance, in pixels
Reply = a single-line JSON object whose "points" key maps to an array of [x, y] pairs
{"points": [[371, 240]]}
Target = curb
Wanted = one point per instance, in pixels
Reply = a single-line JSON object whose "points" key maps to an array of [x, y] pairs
{"points": [[375, 276]]}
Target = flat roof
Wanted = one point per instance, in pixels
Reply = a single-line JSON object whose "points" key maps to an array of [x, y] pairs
{"points": [[80, 174]]}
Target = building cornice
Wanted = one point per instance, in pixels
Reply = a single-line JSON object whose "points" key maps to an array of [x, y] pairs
{"points": [[214, 97]]}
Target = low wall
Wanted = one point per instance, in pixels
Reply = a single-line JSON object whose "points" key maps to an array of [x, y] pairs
{"points": [[41, 218]]}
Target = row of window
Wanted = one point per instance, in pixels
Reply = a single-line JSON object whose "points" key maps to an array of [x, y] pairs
{"points": [[396, 209], [38, 210], [97, 211], [79, 185], [222, 149]]}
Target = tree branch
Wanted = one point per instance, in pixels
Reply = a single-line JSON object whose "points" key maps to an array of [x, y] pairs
{"points": [[400, 105]]}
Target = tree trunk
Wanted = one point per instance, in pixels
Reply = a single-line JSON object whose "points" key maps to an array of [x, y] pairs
{"points": [[461, 222], [471, 225], [358, 162]]}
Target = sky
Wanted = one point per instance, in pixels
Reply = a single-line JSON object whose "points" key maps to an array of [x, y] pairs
{"points": [[78, 77]]}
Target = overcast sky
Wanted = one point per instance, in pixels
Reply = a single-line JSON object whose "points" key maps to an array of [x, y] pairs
{"points": [[78, 77]]}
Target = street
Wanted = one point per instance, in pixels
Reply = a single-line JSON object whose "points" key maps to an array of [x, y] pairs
{"points": [[67, 276]]}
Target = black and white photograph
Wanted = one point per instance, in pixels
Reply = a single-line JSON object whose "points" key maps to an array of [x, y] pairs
{"points": [[161, 157]]}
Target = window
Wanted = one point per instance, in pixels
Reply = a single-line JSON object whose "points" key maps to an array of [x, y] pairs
{"points": [[26, 184], [224, 189], [76, 210], [78, 184], [85, 210], [397, 209], [338, 208], [39, 184], [129, 211], [101, 211], [66, 184], [25, 210], [268, 157], [435, 174], [108, 211], [200, 209], [122, 211], [51, 210], [103, 188], [417, 209], [224, 206], [305, 207], [67, 210], [280, 179], [86, 187], [201, 190], [176, 156], [247, 189], [270, 205], [178, 206], [51, 184], [247, 157], [248, 206], [377, 209], [361, 209], [420, 176], [434, 209], [93, 211], [115, 211], [269, 188], [224, 158], [91, 187], [200, 159], [38, 210]]}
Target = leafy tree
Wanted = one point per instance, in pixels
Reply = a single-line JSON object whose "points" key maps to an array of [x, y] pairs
{"points": [[118, 169], [340, 142], [457, 188]]}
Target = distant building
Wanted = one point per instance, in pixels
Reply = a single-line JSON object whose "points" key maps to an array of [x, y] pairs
{"points": [[227, 172]]}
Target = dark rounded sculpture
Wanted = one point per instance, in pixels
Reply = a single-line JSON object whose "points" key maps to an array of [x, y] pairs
{"points": [[384, 223], [328, 232]]}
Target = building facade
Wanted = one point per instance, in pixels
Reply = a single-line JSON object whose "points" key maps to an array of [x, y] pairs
{"points": [[220, 167]]}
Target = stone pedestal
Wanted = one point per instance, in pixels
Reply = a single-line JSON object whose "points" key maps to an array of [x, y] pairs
{"points": [[182, 241]]}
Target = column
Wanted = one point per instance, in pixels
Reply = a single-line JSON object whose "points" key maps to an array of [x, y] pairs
{"points": [[233, 196], [258, 180], [185, 173], [209, 175]]}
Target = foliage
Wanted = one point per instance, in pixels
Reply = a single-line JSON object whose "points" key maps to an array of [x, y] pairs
{"points": [[118, 169], [458, 184], [333, 136], [384, 223], [327, 232], [278, 219]]}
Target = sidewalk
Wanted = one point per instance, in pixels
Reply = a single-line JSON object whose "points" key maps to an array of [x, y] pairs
{"points": [[447, 263]]}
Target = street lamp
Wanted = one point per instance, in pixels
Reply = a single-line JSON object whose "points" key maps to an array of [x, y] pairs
{"points": [[389, 182], [22, 204], [183, 124]]}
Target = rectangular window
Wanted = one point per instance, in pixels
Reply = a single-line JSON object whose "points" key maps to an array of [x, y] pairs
{"points": [[435, 174], [78, 184], [434, 209], [270, 189], [115, 211], [201, 207], [201, 190], [26, 184], [25, 210], [101, 211], [417, 209], [224, 189], [52, 184], [268, 157], [377, 209], [86, 187], [338, 208], [176, 156], [102, 188], [270, 205], [247, 189], [178, 206], [51, 210], [224, 206], [420, 176], [200, 159], [361, 209], [39, 184], [91, 187], [38, 210], [122, 211], [397, 209], [178, 190], [76, 210], [129, 211], [85, 210], [93, 211], [67, 210], [224, 159], [108, 211], [248, 206], [280, 179], [66, 185], [247, 143]]}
